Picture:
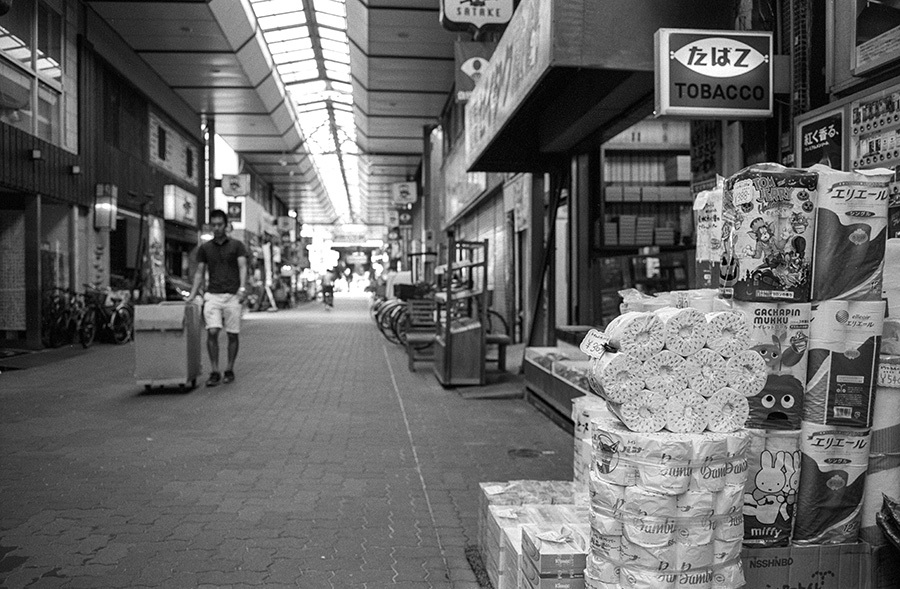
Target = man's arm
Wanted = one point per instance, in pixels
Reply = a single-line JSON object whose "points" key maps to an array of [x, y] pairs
{"points": [[242, 271], [198, 280]]}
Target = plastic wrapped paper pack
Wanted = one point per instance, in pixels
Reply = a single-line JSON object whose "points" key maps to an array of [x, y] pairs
{"points": [[705, 372], [770, 494], [686, 330], [833, 465], [694, 506], [603, 571], [686, 411], [727, 410], [746, 373], [769, 220], [728, 333], [843, 362], [643, 412], [780, 333], [890, 339], [638, 334], [851, 233], [663, 372], [619, 376], [710, 461]]}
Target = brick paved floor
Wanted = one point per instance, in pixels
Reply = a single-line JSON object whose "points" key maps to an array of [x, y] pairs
{"points": [[326, 464]]}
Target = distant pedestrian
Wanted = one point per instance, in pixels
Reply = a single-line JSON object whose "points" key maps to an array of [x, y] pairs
{"points": [[226, 260]]}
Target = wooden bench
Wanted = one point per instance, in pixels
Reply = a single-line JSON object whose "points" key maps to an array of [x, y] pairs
{"points": [[501, 340], [420, 330]]}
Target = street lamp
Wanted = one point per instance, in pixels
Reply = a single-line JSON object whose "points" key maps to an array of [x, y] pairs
{"points": [[106, 206]]}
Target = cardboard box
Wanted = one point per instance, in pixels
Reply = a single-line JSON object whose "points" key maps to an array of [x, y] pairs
{"points": [[614, 193], [650, 194], [532, 580], [834, 566], [556, 558], [631, 193]]}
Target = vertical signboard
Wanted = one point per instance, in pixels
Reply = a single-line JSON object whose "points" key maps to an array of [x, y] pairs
{"points": [[713, 74], [820, 140], [472, 60], [404, 193]]}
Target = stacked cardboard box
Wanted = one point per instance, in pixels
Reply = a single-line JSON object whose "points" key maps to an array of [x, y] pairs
{"points": [[644, 234], [554, 557], [627, 229]]}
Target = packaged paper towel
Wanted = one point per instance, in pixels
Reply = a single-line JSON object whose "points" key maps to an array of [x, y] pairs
{"points": [[779, 332], [663, 372], [638, 334], [686, 330], [851, 230], [843, 361], [833, 464], [619, 376], [768, 228], [771, 489]]}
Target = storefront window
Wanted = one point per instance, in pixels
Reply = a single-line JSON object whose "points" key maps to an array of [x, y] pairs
{"points": [[31, 47]]}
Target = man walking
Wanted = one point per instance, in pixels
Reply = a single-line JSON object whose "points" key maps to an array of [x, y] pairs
{"points": [[226, 260]]}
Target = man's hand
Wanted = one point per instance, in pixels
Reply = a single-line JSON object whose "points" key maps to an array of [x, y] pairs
{"points": [[241, 294]]}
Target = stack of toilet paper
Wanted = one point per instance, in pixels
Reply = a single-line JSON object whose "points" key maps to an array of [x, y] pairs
{"points": [[679, 369], [666, 509], [584, 410]]}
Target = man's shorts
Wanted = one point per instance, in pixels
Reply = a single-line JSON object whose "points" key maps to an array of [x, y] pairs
{"points": [[222, 309]]}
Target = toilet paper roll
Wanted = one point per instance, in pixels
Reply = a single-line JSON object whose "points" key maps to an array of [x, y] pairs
{"points": [[686, 412], [710, 461], [604, 521], [606, 546], [729, 500], [644, 412], [695, 524], [883, 473], [592, 581], [728, 333], [665, 467], [584, 410], [638, 334], [890, 339], [770, 493], [638, 578], [605, 571], [746, 372], [738, 446], [695, 579], [619, 376], [655, 558], [686, 330], [833, 464], [690, 556], [843, 362], [650, 522], [727, 410], [663, 373], [729, 576], [725, 551], [616, 453], [768, 227], [705, 372], [607, 500], [850, 234]]}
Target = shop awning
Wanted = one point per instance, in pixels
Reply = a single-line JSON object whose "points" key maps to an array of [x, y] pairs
{"points": [[566, 69]]}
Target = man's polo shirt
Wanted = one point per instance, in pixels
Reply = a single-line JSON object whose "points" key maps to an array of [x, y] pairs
{"points": [[221, 260]]}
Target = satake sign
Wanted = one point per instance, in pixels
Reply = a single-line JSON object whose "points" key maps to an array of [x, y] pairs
{"points": [[713, 74], [475, 15]]}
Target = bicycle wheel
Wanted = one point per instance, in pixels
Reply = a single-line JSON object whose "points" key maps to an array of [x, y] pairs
{"points": [[120, 324], [88, 329]]}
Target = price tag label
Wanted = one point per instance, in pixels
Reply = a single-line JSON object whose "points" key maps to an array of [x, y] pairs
{"points": [[889, 375], [595, 344], [743, 192]]}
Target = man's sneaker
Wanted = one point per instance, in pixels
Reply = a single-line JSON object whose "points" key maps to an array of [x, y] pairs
{"points": [[229, 376], [214, 379]]}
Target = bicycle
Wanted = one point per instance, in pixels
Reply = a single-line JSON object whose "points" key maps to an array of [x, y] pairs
{"points": [[115, 321]]}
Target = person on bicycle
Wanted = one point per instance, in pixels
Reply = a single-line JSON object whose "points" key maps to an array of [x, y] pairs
{"points": [[226, 260], [328, 288]]}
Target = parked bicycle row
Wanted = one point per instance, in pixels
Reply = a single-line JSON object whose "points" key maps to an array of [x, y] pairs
{"points": [[70, 317]]}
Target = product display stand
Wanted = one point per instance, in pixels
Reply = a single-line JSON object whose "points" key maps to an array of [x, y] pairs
{"points": [[459, 355]]}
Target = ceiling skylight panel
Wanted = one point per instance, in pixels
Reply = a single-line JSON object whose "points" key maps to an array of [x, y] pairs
{"points": [[270, 7], [290, 57], [308, 66], [290, 45], [330, 20], [280, 21], [335, 46], [298, 77], [338, 57], [333, 34], [338, 76], [337, 66], [277, 35], [330, 7]]}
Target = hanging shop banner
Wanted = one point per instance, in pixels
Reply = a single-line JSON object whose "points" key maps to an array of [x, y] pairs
{"points": [[179, 205], [713, 74], [820, 140], [876, 35], [475, 15], [404, 217], [172, 152], [404, 193], [156, 256], [236, 184], [520, 60], [472, 60], [875, 130], [236, 212]]}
